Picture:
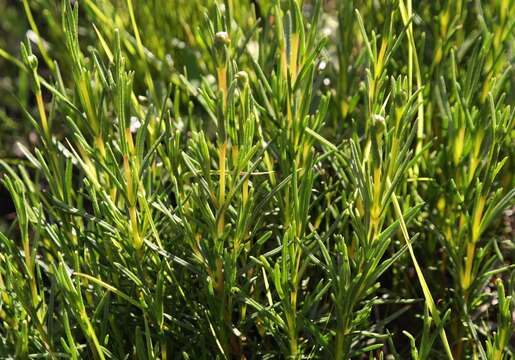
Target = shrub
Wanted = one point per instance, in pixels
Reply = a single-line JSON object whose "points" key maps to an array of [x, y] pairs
{"points": [[273, 179]]}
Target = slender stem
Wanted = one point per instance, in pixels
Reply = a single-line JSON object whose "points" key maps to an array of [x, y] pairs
{"points": [[34, 28], [425, 289], [221, 196]]}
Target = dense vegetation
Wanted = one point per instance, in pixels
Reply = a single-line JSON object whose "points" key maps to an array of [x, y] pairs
{"points": [[257, 179]]}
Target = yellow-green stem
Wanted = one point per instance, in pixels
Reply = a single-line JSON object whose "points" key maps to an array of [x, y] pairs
{"points": [[221, 197], [425, 289], [467, 276], [42, 115], [222, 83]]}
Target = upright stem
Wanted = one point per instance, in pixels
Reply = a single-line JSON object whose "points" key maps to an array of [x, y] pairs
{"points": [[34, 28], [406, 14], [221, 197], [425, 289]]}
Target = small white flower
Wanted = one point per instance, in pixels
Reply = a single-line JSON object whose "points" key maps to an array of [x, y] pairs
{"points": [[378, 118], [210, 78], [135, 124], [35, 39], [253, 49], [222, 37]]}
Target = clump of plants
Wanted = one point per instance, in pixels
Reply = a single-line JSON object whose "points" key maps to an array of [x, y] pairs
{"points": [[264, 179]]}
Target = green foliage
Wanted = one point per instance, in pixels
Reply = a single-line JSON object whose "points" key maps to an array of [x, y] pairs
{"points": [[287, 179]]}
